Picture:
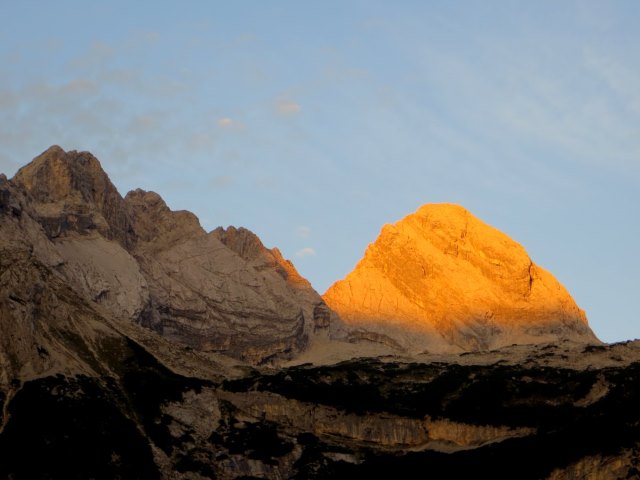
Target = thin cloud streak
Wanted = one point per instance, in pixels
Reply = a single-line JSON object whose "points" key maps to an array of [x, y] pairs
{"points": [[286, 106], [221, 182], [303, 231], [306, 252], [229, 123]]}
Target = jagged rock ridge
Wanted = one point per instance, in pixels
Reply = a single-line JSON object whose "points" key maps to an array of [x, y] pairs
{"points": [[440, 278], [221, 291], [69, 191], [437, 280], [86, 391]]}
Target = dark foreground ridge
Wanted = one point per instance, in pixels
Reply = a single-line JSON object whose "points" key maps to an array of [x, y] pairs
{"points": [[362, 417]]}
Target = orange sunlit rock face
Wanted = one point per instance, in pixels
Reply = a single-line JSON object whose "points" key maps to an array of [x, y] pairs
{"points": [[454, 282]]}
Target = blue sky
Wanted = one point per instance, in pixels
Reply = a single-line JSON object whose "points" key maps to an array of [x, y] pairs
{"points": [[314, 123]]}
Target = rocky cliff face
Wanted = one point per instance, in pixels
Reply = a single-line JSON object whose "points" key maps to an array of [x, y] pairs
{"points": [[115, 313], [441, 279], [141, 262], [438, 280], [557, 412], [215, 293], [69, 192]]}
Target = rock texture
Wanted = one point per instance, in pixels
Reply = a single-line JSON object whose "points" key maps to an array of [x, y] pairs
{"points": [[438, 280], [222, 291], [88, 390], [141, 262], [57, 315], [94, 401], [69, 192], [37, 307], [442, 279]]}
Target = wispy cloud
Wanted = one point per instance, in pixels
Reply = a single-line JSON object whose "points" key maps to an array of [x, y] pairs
{"points": [[592, 128], [303, 231], [619, 77], [268, 183], [229, 123], [306, 252], [150, 36], [286, 106], [79, 86], [144, 123], [571, 105], [220, 182], [98, 54], [201, 141]]}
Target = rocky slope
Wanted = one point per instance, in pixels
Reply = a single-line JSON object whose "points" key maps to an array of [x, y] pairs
{"points": [[438, 280], [441, 279], [221, 291], [453, 417], [49, 324], [133, 344]]}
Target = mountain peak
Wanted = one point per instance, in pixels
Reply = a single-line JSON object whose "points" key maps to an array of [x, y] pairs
{"points": [[462, 283], [241, 240], [70, 192], [442, 208], [155, 223], [55, 174], [53, 150], [141, 262], [247, 244]]}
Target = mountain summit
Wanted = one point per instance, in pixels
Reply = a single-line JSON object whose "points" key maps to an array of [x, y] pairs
{"points": [[134, 344], [69, 191], [139, 262], [438, 280], [442, 279]]}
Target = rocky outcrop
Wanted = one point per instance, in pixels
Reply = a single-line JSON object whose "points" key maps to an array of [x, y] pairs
{"points": [[69, 191], [481, 418], [47, 326], [438, 280], [385, 430], [248, 246], [156, 226], [222, 291], [135, 418], [104, 272], [601, 467], [142, 262], [204, 295], [87, 392], [454, 436], [441, 279], [20, 235]]}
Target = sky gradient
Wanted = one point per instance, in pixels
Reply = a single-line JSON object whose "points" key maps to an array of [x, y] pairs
{"points": [[314, 123]]}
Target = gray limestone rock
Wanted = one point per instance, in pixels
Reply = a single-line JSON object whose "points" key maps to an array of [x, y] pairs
{"points": [[142, 262]]}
